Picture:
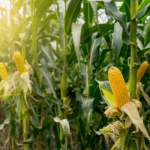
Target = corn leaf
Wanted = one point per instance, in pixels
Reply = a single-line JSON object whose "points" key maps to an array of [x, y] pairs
{"points": [[131, 110]]}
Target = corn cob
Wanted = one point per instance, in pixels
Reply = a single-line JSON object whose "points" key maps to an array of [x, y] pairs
{"points": [[118, 87], [3, 71], [142, 70], [19, 62]]}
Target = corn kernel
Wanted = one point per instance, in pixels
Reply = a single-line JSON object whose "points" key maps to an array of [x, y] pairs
{"points": [[3, 71], [142, 70], [19, 62], [118, 87]]}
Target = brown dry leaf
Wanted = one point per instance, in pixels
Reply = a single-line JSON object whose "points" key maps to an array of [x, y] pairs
{"points": [[146, 97], [138, 104], [114, 127], [131, 110], [128, 122], [25, 83], [112, 111]]}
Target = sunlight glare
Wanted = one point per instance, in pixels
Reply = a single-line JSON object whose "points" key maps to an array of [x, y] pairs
{"points": [[5, 4]]}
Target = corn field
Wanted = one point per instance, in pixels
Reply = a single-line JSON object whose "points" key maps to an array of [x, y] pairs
{"points": [[75, 75]]}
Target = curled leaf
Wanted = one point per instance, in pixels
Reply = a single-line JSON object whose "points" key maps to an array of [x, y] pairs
{"points": [[112, 111], [114, 127], [131, 110], [141, 90], [128, 123]]}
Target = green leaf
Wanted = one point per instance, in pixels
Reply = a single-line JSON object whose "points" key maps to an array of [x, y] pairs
{"points": [[71, 14], [48, 81], [142, 5], [65, 126], [5, 122], [47, 54], [109, 96], [76, 34], [80, 97], [88, 12], [142, 12], [34, 119], [3, 23], [105, 84], [46, 21], [147, 35], [84, 74], [146, 50], [95, 9], [19, 108], [17, 11], [112, 11], [127, 9], [51, 36], [117, 44], [106, 89], [94, 50], [86, 46], [103, 55], [47, 120], [42, 8], [145, 114], [101, 28], [87, 108], [17, 6], [56, 53], [37, 88], [29, 140]]}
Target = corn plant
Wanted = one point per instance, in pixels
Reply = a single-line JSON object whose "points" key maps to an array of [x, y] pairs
{"points": [[71, 49]]}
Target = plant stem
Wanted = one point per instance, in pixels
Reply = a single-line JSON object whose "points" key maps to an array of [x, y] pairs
{"points": [[133, 66], [64, 83], [88, 72], [24, 31], [39, 139], [26, 123], [13, 143], [34, 28], [11, 32]]}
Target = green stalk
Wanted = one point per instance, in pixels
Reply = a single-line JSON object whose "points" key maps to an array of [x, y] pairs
{"points": [[11, 32], [39, 139], [13, 129], [34, 28], [13, 143], [88, 72], [133, 66], [26, 123], [24, 31], [64, 83]]}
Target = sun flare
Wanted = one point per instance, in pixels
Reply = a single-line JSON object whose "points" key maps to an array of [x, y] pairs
{"points": [[5, 4]]}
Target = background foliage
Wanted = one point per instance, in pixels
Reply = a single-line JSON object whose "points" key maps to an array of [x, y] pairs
{"points": [[70, 50]]}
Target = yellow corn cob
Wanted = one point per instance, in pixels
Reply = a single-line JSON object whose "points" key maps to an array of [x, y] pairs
{"points": [[19, 62], [142, 70], [118, 87], [3, 71]]}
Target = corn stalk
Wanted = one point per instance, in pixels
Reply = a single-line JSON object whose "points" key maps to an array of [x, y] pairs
{"points": [[24, 31], [34, 28], [64, 74], [26, 124], [64, 82], [133, 66]]}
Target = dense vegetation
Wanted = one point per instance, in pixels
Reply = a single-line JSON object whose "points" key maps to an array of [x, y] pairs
{"points": [[62, 98]]}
